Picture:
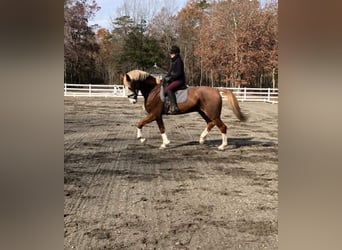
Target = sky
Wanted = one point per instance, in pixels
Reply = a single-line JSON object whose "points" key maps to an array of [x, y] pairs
{"points": [[109, 9]]}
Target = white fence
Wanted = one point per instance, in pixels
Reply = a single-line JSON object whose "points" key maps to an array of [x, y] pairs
{"points": [[94, 90], [269, 95]]}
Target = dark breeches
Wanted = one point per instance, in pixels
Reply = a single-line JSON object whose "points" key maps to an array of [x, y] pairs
{"points": [[175, 85]]}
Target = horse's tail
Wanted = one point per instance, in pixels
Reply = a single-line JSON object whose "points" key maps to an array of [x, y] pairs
{"points": [[234, 104]]}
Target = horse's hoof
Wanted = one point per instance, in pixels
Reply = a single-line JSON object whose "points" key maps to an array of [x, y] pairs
{"points": [[164, 145], [221, 147], [201, 141], [142, 140]]}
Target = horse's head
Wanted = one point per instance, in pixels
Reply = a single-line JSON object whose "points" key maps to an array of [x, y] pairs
{"points": [[135, 81], [130, 90]]}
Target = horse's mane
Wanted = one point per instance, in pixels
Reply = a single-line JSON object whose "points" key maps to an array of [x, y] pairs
{"points": [[138, 75]]}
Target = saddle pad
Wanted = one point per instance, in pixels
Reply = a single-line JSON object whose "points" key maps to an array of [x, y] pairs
{"points": [[181, 95]]}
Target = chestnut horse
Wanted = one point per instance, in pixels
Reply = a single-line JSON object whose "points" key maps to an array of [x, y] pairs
{"points": [[206, 101]]}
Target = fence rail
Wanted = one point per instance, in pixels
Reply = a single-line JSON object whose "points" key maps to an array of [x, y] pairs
{"points": [[269, 95]]}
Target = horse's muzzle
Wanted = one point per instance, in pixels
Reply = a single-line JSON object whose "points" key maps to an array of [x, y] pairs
{"points": [[132, 100]]}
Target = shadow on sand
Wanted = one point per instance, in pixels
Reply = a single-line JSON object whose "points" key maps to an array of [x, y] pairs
{"points": [[232, 143]]}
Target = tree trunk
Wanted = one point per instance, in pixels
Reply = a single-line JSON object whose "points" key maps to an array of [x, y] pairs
{"points": [[273, 78], [201, 72], [261, 80]]}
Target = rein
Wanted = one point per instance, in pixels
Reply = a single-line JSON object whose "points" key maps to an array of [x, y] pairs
{"points": [[134, 95]]}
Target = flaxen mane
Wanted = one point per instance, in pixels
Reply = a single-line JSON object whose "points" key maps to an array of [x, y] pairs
{"points": [[138, 75]]}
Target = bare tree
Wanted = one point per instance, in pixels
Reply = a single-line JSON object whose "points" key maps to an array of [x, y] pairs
{"points": [[144, 10], [164, 28], [238, 41], [189, 24], [80, 46]]}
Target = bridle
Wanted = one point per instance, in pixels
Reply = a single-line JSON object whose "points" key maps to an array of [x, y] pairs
{"points": [[134, 95]]}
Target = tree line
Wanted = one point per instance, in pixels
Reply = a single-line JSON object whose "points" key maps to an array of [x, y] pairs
{"points": [[223, 43]]}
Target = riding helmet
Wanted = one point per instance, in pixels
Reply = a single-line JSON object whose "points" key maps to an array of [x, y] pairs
{"points": [[174, 49]]}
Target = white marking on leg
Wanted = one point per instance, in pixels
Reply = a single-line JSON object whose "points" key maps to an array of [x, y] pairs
{"points": [[224, 142], [139, 135], [165, 141], [203, 136]]}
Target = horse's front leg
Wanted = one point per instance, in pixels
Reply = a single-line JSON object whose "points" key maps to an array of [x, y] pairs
{"points": [[147, 119], [139, 135], [161, 126]]}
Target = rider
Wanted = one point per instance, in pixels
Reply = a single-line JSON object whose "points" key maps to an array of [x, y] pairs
{"points": [[175, 78]]}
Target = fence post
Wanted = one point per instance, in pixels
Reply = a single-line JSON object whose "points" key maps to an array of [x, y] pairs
{"points": [[244, 93], [269, 94], [89, 89], [65, 89]]}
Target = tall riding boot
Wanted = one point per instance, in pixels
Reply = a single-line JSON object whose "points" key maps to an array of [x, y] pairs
{"points": [[174, 107]]}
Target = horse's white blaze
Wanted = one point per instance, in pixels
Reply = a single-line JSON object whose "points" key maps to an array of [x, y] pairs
{"points": [[165, 140], [203, 136], [224, 142]]}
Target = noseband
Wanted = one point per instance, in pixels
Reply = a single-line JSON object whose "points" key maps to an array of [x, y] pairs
{"points": [[134, 95]]}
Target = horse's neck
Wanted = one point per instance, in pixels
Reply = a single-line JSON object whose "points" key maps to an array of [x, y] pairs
{"points": [[147, 87]]}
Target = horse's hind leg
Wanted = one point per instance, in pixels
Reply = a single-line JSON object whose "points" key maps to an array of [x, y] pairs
{"points": [[206, 131], [223, 128], [162, 132], [210, 125]]}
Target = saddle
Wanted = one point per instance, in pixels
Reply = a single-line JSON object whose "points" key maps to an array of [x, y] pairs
{"points": [[181, 96]]}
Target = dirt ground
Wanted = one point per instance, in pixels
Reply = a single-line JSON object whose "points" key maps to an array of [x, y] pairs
{"points": [[121, 194]]}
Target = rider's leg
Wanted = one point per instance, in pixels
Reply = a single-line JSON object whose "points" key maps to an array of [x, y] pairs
{"points": [[172, 97], [170, 91]]}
